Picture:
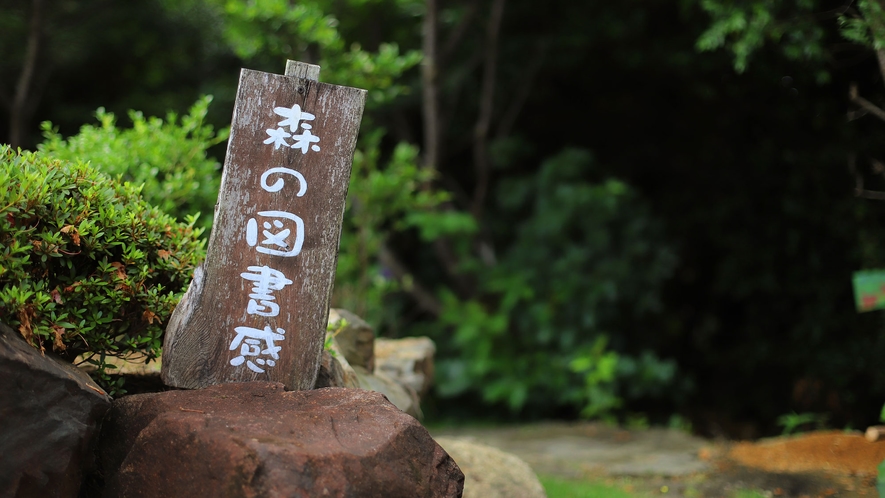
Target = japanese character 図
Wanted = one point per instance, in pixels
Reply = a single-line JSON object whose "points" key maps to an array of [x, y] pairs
{"points": [[277, 233], [266, 280], [250, 341]]}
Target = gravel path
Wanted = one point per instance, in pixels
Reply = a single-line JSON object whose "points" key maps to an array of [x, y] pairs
{"points": [[664, 462], [577, 449]]}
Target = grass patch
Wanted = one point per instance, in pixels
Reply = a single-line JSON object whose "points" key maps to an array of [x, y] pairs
{"points": [[748, 493], [557, 487]]}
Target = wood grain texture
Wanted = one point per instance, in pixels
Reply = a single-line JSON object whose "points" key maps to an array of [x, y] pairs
{"points": [[197, 347], [302, 70]]}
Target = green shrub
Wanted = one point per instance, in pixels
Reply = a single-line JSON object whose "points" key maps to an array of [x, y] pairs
{"points": [[550, 327], [167, 157], [87, 266], [387, 196]]}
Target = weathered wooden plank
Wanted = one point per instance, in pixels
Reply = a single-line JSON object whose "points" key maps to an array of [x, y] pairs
{"points": [[302, 70], [257, 308]]}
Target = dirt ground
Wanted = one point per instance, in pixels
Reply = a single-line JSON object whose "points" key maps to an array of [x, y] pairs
{"points": [[664, 462], [817, 464]]}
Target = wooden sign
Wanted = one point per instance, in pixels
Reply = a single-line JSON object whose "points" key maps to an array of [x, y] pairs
{"points": [[257, 308], [869, 290]]}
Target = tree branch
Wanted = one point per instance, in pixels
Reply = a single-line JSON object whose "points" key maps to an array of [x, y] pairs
{"points": [[430, 89], [432, 127], [18, 115], [424, 298], [852, 168], [859, 191], [458, 33], [880, 57], [870, 194], [457, 76], [864, 103], [5, 97], [522, 94], [486, 106]]}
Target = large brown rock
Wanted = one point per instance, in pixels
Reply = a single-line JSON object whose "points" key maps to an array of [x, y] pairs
{"points": [[50, 413], [492, 473], [255, 439]]}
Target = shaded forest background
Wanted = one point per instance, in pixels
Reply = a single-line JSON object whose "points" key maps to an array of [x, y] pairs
{"points": [[588, 214]]}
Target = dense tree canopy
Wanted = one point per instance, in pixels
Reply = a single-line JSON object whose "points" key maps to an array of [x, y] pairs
{"points": [[587, 206]]}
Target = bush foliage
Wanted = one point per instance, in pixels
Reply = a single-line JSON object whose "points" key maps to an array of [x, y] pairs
{"points": [[387, 196], [87, 266], [168, 157], [539, 336]]}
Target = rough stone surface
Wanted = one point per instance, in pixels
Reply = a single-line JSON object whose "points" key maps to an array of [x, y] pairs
{"points": [[575, 449], [348, 376], [355, 340], [329, 374], [490, 472], [401, 369], [409, 361], [255, 439], [347, 372], [403, 397], [50, 413]]}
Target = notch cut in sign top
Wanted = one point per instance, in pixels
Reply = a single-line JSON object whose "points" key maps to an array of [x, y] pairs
{"points": [[257, 308]]}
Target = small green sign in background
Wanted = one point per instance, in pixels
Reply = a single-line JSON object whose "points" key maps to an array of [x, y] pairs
{"points": [[869, 290]]}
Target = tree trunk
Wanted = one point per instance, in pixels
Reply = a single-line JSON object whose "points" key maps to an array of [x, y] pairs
{"points": [[21, 108]]}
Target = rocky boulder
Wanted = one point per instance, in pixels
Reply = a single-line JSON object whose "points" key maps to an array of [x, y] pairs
{"points": [[335, 372], [401, 369], [354, 338], [490, 472], [51, 413], [334, 358], [409, 361], [255, 439], [330, 373], [403, 397]]}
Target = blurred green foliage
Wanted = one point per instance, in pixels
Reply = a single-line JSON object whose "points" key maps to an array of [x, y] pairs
{"points": [[793, 26], [168, 158], [385, 198], [537, 334], [744, 27], [267, 32], [87, 266], [795, 422]]}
